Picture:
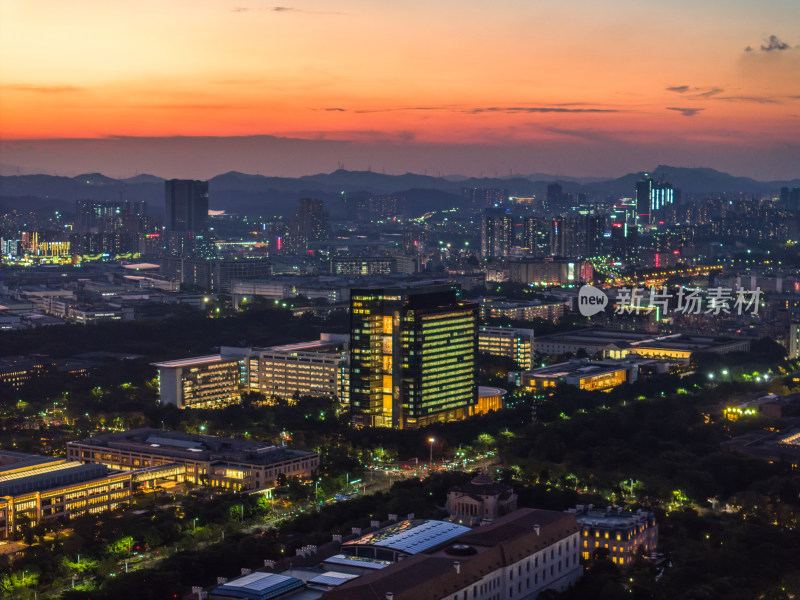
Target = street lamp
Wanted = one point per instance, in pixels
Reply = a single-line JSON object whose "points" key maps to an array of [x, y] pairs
{"points": [[430, 462]]}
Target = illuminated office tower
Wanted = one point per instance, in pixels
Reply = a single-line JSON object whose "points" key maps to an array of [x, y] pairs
{"points": [[412, 356], [661, 196], [186, 205], [651, 199], [185, 214]]}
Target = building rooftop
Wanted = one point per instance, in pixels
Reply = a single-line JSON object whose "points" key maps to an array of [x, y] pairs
{"points": [[482, 485], [357, 562], [610, 517], [432, 576], [26, 473], [194, 361], [580, 368], [485, 391], [256, 586], [411, 537], [192, 446], [631, 339], [313, 346], [332, 578]]}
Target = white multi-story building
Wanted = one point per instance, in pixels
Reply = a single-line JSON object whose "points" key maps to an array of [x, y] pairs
{"points": [[517, 557], [318, 368], [509, 342]]}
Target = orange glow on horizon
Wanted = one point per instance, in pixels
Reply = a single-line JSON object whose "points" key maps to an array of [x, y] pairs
{"points": [[449, 72]]}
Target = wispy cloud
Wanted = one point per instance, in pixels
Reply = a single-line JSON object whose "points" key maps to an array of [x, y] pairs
{"points": [[773, 43], [685, 111], [538, 109], [42, 89], [756, 99], [365, 111], [282, 9], [565, 108], [696, 92], [710, 92]]}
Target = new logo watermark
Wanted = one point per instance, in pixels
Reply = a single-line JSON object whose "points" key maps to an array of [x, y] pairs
{"points": [[714, 301], [591, 300]]}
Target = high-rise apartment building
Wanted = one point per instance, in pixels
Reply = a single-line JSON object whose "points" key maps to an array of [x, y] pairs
{"points": [[497, 233], [537, 236], [482, 197], [412, 356], [554, 196], [310, 224], [94, 216]]}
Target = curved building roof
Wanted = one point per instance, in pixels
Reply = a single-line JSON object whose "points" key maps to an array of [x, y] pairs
{"points": [[411, 537]]}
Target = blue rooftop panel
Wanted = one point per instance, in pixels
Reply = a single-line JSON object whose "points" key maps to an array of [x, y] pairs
{"points": [[257, 586]]}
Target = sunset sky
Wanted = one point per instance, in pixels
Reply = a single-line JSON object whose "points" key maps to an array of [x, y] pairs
{"points": [[193, 88]]}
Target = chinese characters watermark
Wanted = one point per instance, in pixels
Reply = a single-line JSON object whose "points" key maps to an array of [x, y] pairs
{"points": [[716, 301]]}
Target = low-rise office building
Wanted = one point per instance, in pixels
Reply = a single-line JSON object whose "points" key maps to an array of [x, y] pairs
{"points": [[318, 368], [522, 311], [41, 488], [584, 374], [781, 447], [228, 463], [619, 344], [620, 535], [507, 342], [203, 381]]}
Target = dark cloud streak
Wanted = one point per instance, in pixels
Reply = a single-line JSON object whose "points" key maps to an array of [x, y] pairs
{"points": [[563, 109], [686, 112], [773, 43], [538, 109], [756, 99], [283, 9], [43, 89]]}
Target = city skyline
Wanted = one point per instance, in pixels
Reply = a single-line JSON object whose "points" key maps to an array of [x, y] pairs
{"points": [[601, 89]]}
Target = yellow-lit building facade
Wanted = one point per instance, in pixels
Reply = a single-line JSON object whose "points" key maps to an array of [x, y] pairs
{"points": [[624, 536], [585, 375], [231, 464], [412, 356], [35, 489], [508, 342], [202, 382], [300, 370], [489, 398]]}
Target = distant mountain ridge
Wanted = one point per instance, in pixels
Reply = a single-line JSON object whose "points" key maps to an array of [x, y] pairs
{"points": [[260, 194]]}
